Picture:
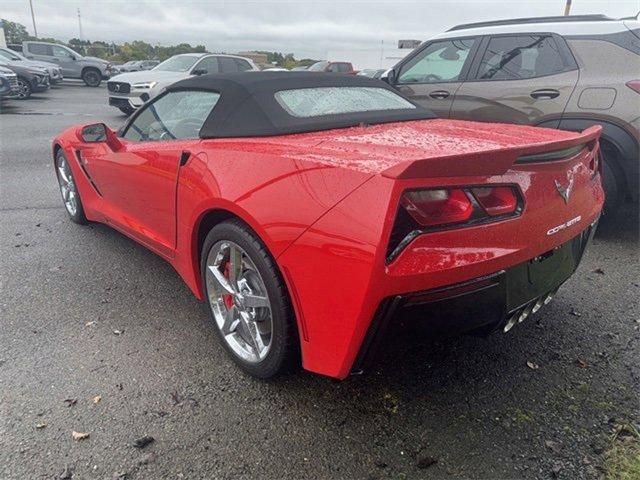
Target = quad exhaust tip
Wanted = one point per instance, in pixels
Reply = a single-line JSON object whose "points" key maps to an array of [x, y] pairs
{"points": [[520, 316]]}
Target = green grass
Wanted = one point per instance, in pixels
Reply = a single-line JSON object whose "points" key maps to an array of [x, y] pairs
{"points": [[622, 460]]}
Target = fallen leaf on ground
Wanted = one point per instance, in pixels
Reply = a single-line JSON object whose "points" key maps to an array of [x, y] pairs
{"points": [[79, 435], [533, 366], [575, 313], [118, 332], [71, 401], [599, 271], [88, 324], [97, 399], [581, 363], [40, 426], [143, 441]]}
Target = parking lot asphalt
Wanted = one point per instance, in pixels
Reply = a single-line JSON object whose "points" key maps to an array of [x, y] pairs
{"points": [[86, 313]]}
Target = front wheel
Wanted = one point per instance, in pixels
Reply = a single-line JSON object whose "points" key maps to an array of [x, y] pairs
{"points": [[91, 77], [69, 190], [24, 88], [248, 300]]}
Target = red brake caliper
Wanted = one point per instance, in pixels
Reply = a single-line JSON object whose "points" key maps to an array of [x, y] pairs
{"points": [[227, 298]]}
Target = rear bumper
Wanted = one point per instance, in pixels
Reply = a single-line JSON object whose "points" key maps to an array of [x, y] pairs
{"points": [[487, 304]]}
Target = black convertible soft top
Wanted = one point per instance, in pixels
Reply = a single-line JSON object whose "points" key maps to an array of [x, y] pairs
{"points": [[248, 107]]}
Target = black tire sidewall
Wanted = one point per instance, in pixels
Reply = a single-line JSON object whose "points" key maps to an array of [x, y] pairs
{"points": [[79, 216], [280, 351], [87, 73], [611, 183]]}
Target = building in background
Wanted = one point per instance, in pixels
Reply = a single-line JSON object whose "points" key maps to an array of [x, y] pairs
{"points": [[374, 58], [259, 59]]}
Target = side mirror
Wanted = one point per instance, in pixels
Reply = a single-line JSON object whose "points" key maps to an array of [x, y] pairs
{"points": [[94, 133], [98, 133], [389, 77], [200, 71]]}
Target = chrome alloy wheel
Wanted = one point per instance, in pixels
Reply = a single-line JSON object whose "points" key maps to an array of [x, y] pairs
{"points": [[67, 186], [239, 301]]}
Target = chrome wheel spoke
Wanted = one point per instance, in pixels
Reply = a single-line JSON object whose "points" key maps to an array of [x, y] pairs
{"points": [[235, 265], [220, 280], [255, 301], [230, 321]]}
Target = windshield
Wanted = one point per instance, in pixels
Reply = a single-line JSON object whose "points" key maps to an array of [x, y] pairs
{"points": [[315, 102], [318, 66], [179, 63], [9, 55]]}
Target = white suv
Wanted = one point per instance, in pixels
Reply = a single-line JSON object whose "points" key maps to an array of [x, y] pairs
{"points": [[128, 91]]}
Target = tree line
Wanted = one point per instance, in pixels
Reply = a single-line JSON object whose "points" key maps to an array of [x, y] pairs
{"points": [[16, 33]]}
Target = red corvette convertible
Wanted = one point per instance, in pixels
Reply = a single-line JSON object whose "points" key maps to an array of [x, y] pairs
{"points": [[311, 212]]}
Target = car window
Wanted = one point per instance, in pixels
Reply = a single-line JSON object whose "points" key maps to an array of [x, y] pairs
{"points": [[39, 49], [343, 67], [61, 52], [334, 68], [439, 62], [174, 116], [227, 65], [318, 67], [210, 64], [243, 65], [314, 102], [520, 57]]}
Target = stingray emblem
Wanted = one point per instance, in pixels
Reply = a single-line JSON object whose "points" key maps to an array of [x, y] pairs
{"points": [[565, 192]]}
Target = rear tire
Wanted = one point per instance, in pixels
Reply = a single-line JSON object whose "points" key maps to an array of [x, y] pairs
{"points": [[127, 110], [92, 77], [254, 277], [612, 182]]}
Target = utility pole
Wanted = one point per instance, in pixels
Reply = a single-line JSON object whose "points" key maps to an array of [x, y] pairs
{"points": [[80, 24], [33, 19], [567, 8]]}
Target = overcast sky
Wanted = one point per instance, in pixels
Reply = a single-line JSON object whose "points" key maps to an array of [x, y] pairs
{"points": [[308, 28]]}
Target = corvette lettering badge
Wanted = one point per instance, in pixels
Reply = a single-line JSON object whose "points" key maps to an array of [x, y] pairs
{"points": [[562, 226]]}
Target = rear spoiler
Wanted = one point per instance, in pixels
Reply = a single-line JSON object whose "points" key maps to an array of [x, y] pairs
{"points": [[491, 162]]}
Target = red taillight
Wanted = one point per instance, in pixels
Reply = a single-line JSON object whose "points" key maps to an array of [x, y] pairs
{"points": [[438, 207], [496, 200], [634, 85]]}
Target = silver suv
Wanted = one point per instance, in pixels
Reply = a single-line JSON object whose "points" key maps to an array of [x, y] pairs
{"points": [[128, 91], [14, 58], [556, 72], [91, 70]]}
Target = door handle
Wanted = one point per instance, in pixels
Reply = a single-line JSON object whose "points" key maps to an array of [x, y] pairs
{"points": [[439, 94], [184, 157], [545, 93]]}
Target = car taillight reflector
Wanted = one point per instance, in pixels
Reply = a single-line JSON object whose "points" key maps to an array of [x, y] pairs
{"points": [[634, 85], [496, 200], [438, 207]]}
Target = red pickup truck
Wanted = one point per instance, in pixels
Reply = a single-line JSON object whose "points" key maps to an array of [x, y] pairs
{"points": [[333, 67]]}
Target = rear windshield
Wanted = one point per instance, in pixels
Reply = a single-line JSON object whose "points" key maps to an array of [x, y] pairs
{"points": [[315, 102]]}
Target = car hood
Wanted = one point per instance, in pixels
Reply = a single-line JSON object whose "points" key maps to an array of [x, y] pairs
{"points": [[149, 76], [95, 59], [35, 63]]}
